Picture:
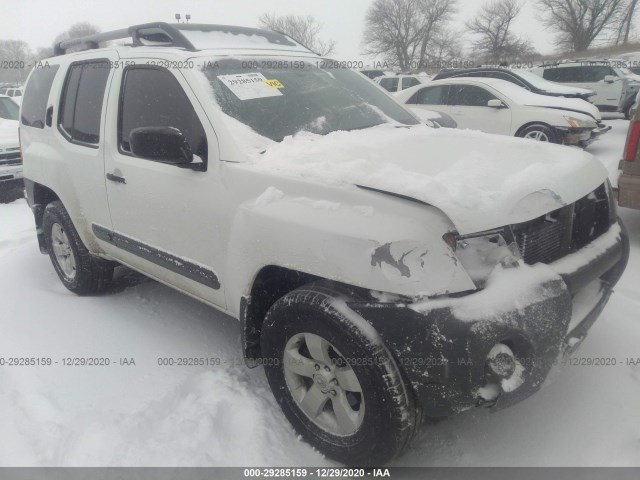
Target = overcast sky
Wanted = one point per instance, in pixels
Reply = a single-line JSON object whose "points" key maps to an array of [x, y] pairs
{"points": [[38, 21]]}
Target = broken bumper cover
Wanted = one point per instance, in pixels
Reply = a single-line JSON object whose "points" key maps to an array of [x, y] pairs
{"points": [[444, 356], [582, 136]]}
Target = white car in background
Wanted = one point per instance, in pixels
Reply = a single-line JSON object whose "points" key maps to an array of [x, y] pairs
{"points": [[398, 83], [500, 107]]}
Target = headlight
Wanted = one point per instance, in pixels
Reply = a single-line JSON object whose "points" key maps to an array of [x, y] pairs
{"points": [[480, 253], [577, 123]]}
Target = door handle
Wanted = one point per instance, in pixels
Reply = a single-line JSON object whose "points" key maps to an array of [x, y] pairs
{"points": [[116, 178]]}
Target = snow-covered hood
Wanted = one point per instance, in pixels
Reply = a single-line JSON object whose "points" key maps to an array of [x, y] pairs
{"points": [[479, 181], [557, 89], [525, 97], [575, 105]]}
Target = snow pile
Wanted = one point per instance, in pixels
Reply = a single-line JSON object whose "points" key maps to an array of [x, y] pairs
{"points": [[15, 226], [507, 289], [610, 147]]}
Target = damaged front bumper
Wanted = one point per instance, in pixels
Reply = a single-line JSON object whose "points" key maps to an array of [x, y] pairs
{"points": [[582, 137], [445, 348]]}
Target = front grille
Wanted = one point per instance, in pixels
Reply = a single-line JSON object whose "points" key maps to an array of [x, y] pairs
{"points": [[543, 243], [549, 238], [11, 157]]}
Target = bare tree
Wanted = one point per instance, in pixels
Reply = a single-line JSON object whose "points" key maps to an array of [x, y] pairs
{"points": [[404, 31], [495, 41], [305, 30], [77, 30], [436, 13], [15, 56], [627, 22], [446, 50], [580, 22]]}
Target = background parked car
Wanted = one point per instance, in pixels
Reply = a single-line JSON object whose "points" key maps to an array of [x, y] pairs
{"points": [[615, 90], [11, 91], [397, 83], [500, 107], [11, 182], [522, 78], [9, 109]]}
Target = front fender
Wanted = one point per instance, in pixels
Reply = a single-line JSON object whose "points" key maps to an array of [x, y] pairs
{"points": [[379, 243]]}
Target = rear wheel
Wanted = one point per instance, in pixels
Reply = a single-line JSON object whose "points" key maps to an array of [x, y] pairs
{"points": [[79, 271], [540, 133], [335, 380]]}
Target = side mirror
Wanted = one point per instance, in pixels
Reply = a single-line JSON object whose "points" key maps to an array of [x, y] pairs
{"points": [[495, 103], [162, 144], [610, 78]]}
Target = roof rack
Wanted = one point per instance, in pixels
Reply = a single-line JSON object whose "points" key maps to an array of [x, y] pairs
{"points": [[158, 33], [168, 35]]}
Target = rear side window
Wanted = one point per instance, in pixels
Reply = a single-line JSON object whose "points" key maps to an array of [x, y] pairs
{"points": [[36, 95], [81, 105], [431, 96], [563, 74], [152, 97], [469, 96], [389, 84], [408, 82], [596, 73]]}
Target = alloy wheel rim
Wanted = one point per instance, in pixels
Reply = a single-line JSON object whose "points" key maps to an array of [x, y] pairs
{"points": [[537, 135], [323, 384], [62, 251]]}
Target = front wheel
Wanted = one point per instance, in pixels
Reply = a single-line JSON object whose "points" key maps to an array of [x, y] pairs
{"points": [[334, 379], [540, 133]]}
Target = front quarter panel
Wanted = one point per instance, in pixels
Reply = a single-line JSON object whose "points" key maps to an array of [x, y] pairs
{"points": [[360, 238]]}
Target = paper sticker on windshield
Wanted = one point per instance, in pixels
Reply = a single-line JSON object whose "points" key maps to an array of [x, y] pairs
{"points": [[247, 86], [274, 83]]}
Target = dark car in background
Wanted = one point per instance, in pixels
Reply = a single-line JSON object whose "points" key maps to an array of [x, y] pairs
{"points": [[522, 78]]}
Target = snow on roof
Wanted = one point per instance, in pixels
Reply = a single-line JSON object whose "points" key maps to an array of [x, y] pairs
{"points": [[217, 39]]}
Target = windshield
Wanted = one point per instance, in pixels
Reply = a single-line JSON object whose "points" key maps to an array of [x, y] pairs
{"points": [[8, 109], [278, 98]]}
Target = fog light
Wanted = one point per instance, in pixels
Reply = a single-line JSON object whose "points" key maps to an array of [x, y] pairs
{"points": [[504, 368], [502, 365]]}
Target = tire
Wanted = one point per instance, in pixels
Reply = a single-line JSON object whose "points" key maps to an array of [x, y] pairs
{"points": [[380, 419], [79, 271], [540, 133]]}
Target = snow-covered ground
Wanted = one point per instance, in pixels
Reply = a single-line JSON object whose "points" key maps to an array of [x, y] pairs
{"points": [[610, 146], [146, 414]]}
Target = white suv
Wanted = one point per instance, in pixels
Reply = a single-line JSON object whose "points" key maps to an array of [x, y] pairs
{"points": [[615, 90], [378, 275]]}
